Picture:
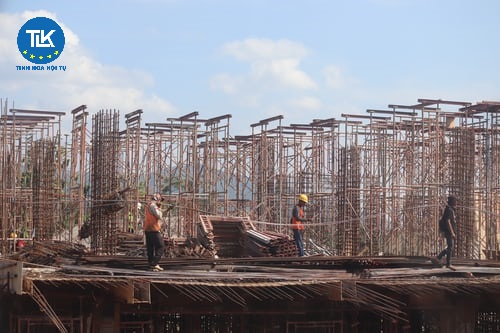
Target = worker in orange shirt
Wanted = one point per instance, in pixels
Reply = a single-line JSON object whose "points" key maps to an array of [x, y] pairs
{"points": [[297, 222], [155, 244]]}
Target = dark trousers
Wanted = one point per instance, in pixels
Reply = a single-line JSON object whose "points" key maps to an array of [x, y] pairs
{"points": [[154, 246], [448, 251], [297, 237]]}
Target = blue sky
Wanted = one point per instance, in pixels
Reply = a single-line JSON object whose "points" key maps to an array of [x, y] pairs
{"points": [[255, 59]]}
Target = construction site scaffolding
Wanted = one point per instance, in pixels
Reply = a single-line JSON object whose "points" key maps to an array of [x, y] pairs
{"points": [[377, 182]]}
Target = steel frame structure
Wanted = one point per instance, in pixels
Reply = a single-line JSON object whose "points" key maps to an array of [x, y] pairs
{"points": [[377, 181]]}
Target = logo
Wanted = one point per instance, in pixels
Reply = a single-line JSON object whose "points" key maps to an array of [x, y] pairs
{"points": [[40, 40]]}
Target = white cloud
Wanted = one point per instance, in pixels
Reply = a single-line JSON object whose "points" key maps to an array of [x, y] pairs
{"points": [[285, 72], [274, 80], [276, 63], [85, 81]]}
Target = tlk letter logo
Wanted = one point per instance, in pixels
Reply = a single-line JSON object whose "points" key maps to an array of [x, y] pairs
{"points": [[38, 38]]}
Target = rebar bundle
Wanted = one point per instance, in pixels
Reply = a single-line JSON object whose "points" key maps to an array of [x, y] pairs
{"points": [[104, 182], [46, 193]]}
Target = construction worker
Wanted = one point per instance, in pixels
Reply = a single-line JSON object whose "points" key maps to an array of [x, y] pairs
{"points": [[448, 227], [297, 223], [152, 225]]}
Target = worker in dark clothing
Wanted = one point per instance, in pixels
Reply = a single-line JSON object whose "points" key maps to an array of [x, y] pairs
{"points": [[448, 228], [297, 223]]}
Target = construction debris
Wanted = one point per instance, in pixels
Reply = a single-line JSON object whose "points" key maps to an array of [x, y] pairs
{"points": [[50, 253]]}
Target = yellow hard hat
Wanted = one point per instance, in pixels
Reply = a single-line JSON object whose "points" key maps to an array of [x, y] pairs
{"points": [[304, 198]]}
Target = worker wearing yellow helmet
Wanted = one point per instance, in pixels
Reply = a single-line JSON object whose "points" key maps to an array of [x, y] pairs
{"points": [[297, 223]]}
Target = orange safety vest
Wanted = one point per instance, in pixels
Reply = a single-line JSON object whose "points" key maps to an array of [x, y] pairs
{"points": [[296, 224], [150, 221]]}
